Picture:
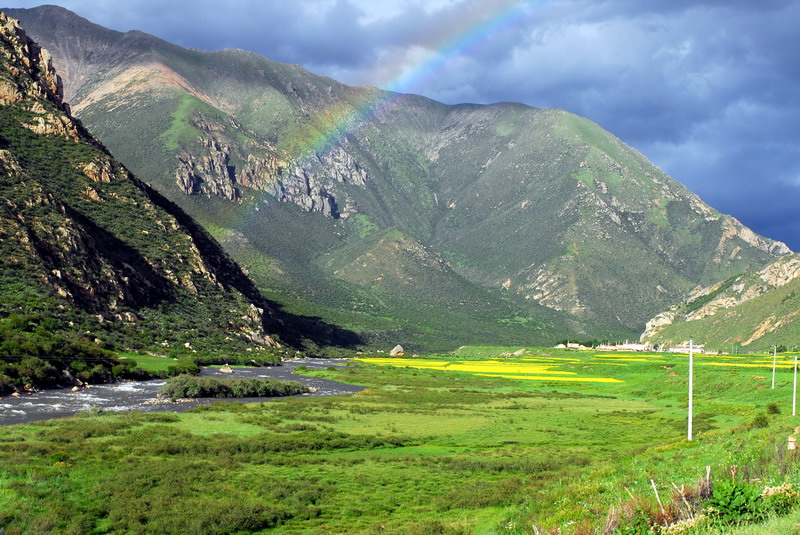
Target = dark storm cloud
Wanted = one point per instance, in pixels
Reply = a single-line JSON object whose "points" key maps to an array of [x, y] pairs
{"points": [[298, 32], [707, 89]]}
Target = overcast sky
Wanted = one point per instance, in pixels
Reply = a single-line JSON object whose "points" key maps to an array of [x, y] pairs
{"points": [[708, 90]]}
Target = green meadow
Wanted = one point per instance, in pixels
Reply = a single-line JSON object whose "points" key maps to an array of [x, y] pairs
{"points": [[149, 363], [484, 440]]}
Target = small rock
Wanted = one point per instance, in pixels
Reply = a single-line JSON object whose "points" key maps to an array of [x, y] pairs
{"points": [[226, 369], [397, 351], [76, 389]]}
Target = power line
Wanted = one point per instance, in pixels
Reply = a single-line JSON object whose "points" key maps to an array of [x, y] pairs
{"points": [[58, 357]]}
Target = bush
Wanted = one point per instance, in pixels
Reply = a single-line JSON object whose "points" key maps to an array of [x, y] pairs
{"points": [[780, 499], [6, 385], [96, 374], [772, 408], [735, 501], [759, 421], [37, 372], [183, 366], [187, 386]]}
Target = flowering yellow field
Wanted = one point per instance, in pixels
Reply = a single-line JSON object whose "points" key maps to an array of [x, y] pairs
{"points": [[640, 357], [531, 370], [631, 359], [550, 368], [564, 379], [748, 364]]}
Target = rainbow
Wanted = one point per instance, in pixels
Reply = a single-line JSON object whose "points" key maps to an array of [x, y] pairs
{"points": [[482, 22]]}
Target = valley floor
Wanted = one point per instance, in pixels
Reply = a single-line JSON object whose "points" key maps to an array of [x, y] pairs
{"points": [[467, 443]]}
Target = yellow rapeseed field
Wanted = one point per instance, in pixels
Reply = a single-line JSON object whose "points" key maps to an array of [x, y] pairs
{"points": [[530, 370], [747, 364], [550, 368]]}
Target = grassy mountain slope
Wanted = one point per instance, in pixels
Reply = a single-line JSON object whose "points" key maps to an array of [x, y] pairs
{"points": [[86, 243], [755, 310], [530, 208]]}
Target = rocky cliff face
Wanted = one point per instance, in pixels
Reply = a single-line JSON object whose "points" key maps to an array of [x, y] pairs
{"points": [[79, 228], [319, 183], [29, 71], [30, 82], [216, 164], [210, 175]]}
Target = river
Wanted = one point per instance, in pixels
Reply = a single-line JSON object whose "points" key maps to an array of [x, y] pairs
{"points": [[141, 395]]}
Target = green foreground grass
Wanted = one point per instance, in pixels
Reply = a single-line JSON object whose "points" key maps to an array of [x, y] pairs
{"points": [[419, 451]]}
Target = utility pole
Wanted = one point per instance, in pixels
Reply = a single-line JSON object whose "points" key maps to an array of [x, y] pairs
{"points": [[794, 388], [691, 381], [774, 348]]}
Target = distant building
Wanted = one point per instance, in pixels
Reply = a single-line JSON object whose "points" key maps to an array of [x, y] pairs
{"points": [[627, 346], [684, 348], [572, 345], [632, 347]]}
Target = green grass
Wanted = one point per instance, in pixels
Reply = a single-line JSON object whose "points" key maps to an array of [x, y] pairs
{"points": [[362, 225], [419, 451], [180, 128], [658, 213], [149, 363]]}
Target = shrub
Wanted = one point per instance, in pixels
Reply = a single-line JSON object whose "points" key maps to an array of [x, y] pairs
{"points": [[96, 374], [640, 522], [759, 421], [187, 386], [734, 501], [183, 366], [6, 385], [38, 372], [772, 408], [780, 499]]}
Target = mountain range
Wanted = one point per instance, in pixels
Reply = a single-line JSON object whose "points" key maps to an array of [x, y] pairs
{"points": [[394, 215]]}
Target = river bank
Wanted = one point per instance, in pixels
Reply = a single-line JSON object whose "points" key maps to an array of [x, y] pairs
{"points": [[141, 395]]}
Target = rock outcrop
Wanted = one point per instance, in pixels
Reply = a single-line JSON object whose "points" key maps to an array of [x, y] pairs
{"points": [[206, 167], [30, 81], [211, 174]]}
